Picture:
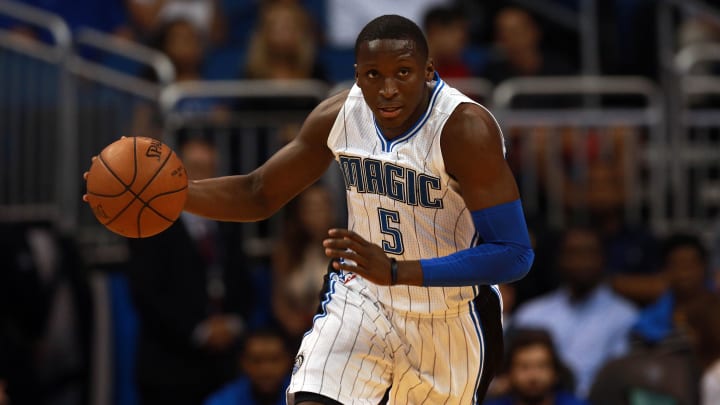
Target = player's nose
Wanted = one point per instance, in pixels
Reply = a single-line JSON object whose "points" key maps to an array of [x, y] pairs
{"points": [[389, 88]]}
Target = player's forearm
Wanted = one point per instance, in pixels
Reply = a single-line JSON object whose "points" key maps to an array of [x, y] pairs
{"points": [[409, 273], [504, 256], [229, 198], [489, 263]]}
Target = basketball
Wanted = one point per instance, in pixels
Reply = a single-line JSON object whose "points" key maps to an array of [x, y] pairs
{"points": [[137, 187]]}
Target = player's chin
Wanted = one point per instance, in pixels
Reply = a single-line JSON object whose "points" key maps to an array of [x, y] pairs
{"points": [[390, 123]]}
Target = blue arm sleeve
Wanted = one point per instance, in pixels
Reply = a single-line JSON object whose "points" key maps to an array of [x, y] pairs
{"points": [[505, 255]]}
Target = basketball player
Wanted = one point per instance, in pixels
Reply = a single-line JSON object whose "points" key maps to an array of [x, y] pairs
{"points": [[410, 312]]}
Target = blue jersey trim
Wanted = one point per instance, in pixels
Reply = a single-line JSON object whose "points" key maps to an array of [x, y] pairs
{"points": [[387, 145], [328, 297], [478, 329]]}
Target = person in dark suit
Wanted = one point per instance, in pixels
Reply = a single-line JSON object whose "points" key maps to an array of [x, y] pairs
{"points": [[188, 287], [46, 312]]}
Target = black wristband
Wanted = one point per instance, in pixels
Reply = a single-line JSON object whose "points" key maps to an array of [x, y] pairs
{"points": [[393, 271]]}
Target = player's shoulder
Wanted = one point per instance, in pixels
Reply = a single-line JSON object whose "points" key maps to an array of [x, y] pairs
{"points": [[320, 121], [471, 124], [470, 114], [329, 108]]}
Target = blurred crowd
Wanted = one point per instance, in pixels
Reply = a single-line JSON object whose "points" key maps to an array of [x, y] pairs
{"points": [[263, 39], [611, 313]]}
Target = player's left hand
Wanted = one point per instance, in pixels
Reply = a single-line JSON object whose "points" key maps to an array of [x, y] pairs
{"points": [[85, 177], [371, 262]]}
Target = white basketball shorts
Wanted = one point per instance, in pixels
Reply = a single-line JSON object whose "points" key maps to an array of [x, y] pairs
{"points": [[361, 352]]}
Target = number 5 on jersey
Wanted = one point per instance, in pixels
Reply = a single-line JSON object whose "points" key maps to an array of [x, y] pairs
{"points": [[389, 220]]}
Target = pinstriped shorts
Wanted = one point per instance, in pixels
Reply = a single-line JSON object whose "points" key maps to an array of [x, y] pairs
{"points": [[361, 352]]}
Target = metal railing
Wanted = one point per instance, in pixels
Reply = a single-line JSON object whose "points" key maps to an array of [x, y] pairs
{"points": [[554, 150], [59, 107], [690, 57], [161, 65], [247, 120], [695, 167], [38, 18], [33, 118]]}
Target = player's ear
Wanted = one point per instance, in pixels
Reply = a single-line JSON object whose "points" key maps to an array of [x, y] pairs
{"points": [[429, 70], [356, 72]]}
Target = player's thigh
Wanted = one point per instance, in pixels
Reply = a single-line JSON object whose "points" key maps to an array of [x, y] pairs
{"points": [[450, 358], [345, 356]]}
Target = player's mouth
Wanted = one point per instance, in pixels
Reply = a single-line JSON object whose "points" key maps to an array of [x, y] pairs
{"points": [[389, 112]]}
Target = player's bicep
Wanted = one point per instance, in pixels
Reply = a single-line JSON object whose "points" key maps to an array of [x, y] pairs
{"points": [[473, 154], [303, 160]]}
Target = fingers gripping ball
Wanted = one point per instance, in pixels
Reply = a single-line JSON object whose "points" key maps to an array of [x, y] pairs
{"points": [[137, 187]]}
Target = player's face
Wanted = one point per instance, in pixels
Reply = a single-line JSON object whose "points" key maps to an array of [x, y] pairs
{"points": [[392, 76]]}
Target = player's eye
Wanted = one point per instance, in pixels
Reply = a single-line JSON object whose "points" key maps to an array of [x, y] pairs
{"points": [[403, 72], [372, 74]]}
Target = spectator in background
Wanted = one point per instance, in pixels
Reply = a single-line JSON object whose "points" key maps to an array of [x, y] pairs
{"points": [[182, 43], [265, 362], [45, 316], [630, 250], [283, 45], [703, 325], [149, 16], [446, 29], [23, 314], [518, 49], [191, 295], [346, 18], [108, 16], [4, 400], [684, 270], [543, 276], [535, 372], [587, 320], [299, 261]]}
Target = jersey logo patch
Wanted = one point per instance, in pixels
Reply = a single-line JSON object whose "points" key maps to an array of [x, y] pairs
{"points": [[298, 362], [348, 277]]}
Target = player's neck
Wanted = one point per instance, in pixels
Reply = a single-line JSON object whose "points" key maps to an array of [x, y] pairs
{"points": [[392, 133]]}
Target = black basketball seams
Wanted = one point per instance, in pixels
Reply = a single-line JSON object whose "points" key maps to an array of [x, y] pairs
{"points": [[135, 162], [147, 204], [154, 174], [127, 187]]}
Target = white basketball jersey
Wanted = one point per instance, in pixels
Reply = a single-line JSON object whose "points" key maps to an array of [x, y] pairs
{"points": [[400, 196]]}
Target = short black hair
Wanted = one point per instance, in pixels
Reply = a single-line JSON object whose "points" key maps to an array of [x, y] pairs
{"points": [[268, 333], [680, 240], [522, 338], [393, 26]]}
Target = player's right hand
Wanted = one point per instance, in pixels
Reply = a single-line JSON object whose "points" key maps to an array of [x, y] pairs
{"points": [[368, 259], [85, 175]]}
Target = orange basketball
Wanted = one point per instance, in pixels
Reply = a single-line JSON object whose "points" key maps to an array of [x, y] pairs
{"points": [[137, 187]]}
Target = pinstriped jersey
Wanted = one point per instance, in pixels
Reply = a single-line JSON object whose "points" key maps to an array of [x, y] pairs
{"points": [[400, 196]]}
